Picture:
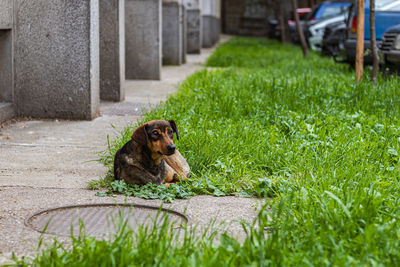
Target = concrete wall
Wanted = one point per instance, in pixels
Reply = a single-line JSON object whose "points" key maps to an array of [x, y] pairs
{"points": [[143, 39], [112, 49], [172, 33], [56, 57]]}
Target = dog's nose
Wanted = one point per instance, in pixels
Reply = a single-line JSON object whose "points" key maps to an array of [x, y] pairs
{"points": [[171, 148]]}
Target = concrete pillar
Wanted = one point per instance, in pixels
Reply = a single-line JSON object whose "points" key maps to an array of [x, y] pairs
{"points": [[56, 60], [172, 32], [112, 49], [6, 14], [143, 39], [193, 24], [211, 22], [6, 61], [217, 21], [184, 33], [6, 77]]}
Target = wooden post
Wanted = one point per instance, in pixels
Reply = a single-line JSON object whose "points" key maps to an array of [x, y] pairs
{"points": [[360, 40], [374, 48], [299, 29], [282, 24]]}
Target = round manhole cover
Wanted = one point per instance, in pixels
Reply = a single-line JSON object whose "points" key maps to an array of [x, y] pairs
{"points": [[101, 219]]}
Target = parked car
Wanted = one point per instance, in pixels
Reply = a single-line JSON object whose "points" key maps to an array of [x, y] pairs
{"points": [[303, 16], [333, 41], [328, 9], [321, 11], [322, 15], [387, 14], [390, 47], [275, 31], [316, 30]]}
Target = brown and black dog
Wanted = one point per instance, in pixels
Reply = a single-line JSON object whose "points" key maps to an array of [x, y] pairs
{"points": [[150, 156]]}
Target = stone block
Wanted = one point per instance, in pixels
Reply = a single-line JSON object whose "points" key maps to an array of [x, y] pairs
{"points": [[6, 14], [143, 39], [193, 23], [112, 49], [56, 58], [172, 33]]}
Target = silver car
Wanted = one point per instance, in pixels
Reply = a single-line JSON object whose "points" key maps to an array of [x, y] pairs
{"points": [[316, 30]]}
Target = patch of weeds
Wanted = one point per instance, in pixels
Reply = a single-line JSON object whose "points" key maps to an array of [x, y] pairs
{"points": [[149, 191], [103, 182]]}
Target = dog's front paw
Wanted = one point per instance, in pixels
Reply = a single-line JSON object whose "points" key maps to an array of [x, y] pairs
{"points": [[176, 177]]}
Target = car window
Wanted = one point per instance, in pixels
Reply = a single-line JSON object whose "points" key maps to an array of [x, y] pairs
{"points": [[387, 5], [395, 8], [333, 10], [390, 7]]}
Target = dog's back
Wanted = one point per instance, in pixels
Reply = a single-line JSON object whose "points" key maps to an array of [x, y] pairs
{"points": [[119, 162]]}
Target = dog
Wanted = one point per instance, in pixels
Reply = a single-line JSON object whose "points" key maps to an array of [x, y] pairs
{"points": [[151, 156]]}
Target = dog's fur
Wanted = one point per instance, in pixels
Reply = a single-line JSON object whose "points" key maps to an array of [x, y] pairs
{"points": [[150, 156]]}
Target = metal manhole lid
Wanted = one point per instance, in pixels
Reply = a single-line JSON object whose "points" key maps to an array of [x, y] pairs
{"points": [[101, 219]]}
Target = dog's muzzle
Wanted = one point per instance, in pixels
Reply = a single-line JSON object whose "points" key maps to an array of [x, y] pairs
{"points": [[171, 149]]}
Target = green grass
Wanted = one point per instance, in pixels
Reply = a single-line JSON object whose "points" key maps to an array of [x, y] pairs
{"points": [[270, 120], [267, 122]]}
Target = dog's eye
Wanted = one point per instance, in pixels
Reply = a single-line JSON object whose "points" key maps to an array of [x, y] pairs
{"points": [[155, 133]]}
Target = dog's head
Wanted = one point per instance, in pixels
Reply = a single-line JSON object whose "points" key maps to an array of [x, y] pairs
{"points": [[158, 136]]}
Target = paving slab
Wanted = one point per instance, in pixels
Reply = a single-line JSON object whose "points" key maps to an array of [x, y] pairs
{"points": [[47, 163]]}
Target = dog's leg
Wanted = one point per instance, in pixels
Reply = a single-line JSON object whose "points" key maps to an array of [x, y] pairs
{"points": [[177, 162], [169, 176], [134, 173]]}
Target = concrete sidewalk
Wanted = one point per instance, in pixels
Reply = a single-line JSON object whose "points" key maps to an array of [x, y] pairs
{"points": [[47, 163]]}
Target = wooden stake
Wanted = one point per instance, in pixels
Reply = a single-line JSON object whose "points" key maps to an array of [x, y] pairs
{"points": [[282, 24], [299, 29], [360, 40], [374, 48]]}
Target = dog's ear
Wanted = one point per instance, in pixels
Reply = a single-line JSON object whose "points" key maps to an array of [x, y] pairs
{"points": [[173, 126], [140, 135]]}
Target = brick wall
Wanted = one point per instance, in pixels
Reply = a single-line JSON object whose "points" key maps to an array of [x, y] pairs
{"points": [[236, 18]]}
